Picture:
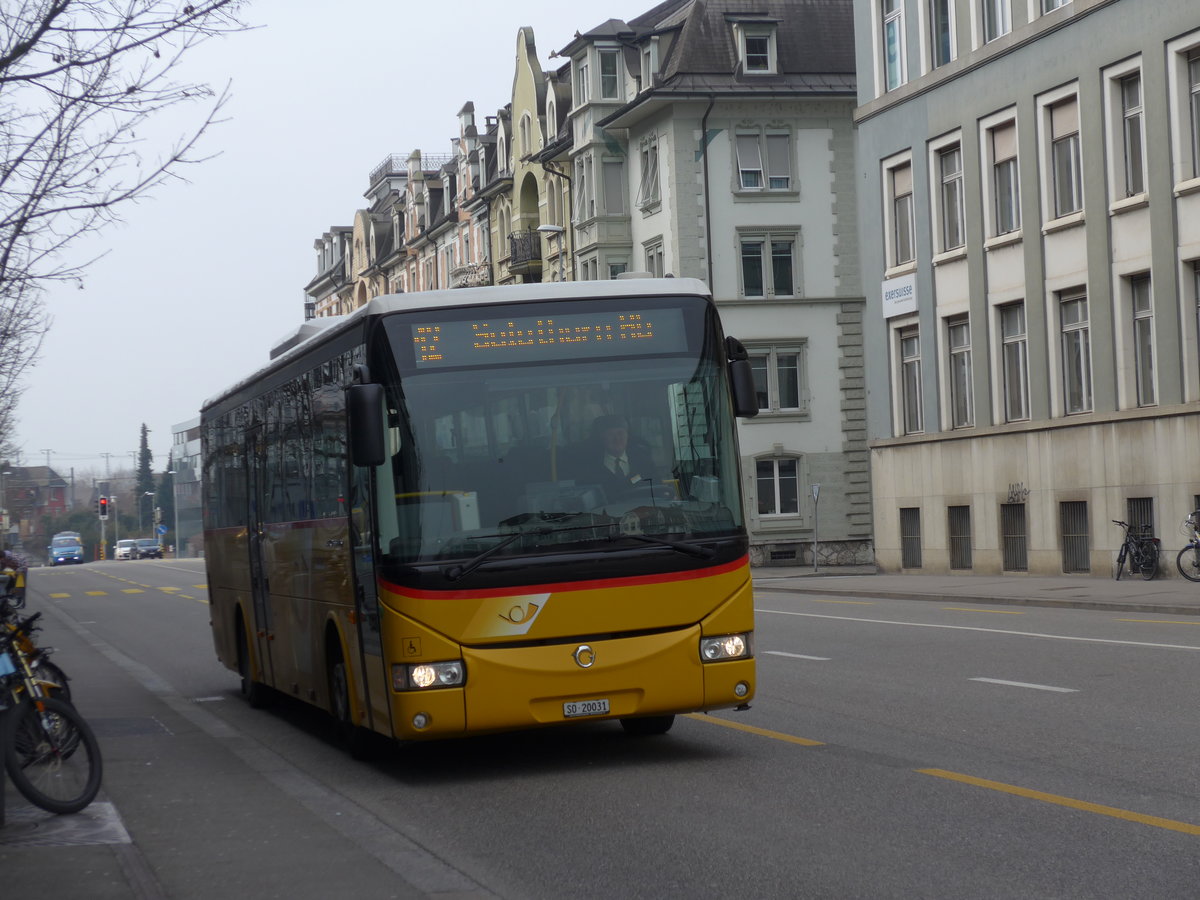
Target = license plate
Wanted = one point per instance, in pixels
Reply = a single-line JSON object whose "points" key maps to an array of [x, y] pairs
{"points": [[575, 708]]}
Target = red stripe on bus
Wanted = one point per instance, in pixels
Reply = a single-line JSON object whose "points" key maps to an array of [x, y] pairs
{"points": [[562, 586]]}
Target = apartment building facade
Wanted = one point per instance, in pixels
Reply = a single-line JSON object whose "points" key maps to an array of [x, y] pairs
{"points": [[1030, 220]]}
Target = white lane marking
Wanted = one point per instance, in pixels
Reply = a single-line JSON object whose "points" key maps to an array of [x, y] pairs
{"points": [[1033, 634], [1025, 684], [796, 655]]}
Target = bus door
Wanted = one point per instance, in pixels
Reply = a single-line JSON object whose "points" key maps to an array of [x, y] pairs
{"points": [[262, 626], [366, 601]]}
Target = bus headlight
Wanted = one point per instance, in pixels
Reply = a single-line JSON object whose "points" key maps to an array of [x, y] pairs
{"points": [[419, 676], [727, 646]]}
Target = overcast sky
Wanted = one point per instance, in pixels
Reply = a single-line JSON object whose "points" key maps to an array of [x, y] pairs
{"points": [[203, 278]]}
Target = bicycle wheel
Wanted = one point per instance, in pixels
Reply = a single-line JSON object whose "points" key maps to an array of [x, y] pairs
{"points": [[1149, 560], [52, 757], [1188, 561], [1121, 554], [53, 679]]}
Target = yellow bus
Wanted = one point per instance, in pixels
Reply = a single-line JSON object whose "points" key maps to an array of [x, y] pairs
{"points": [[413, 518]]}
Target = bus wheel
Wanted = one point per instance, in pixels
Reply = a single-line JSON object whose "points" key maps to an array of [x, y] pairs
{"points": [[357, 740], [255, 693], [647, 725]]}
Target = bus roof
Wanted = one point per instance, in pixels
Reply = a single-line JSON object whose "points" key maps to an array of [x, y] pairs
{"points": [[296, 342]]}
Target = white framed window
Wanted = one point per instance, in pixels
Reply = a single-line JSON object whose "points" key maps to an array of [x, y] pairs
{"points": [[1076, 352], [1066, 167], [654, 257], [610, 74], [1193, 82], [582, 85], [615, 191], [781, 378], [909, 346], [996, 16], [756, 46], [649, 62], [768, 263], [950, 202], [958, 343], [1142, 307], [894, 65], [1014, 352], [616, 268], [1183, 109], [1125, 130], [526, 135], [941, 32], [764, 159], [649, 192], [585, 200], [900, 215], [777, 486], [1000, 149], [1051, 5]]}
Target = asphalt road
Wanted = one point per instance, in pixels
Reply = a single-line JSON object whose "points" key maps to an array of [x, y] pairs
{"points": [[895, 749]]}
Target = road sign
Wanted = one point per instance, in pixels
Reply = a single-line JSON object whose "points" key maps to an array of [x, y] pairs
{"points": [[162, 529]]}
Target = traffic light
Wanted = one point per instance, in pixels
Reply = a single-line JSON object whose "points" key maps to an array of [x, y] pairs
{"points": [[103, 507]]}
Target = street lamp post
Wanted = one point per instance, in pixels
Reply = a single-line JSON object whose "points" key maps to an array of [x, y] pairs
{"points": [[4, 503], [558, 231], [141, 528], [175, 498]]}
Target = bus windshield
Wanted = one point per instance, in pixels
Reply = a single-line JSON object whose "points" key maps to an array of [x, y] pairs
{"points": [[552, 430]]}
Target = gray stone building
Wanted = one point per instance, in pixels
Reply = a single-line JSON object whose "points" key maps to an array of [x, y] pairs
{"points": [[1029, 176]]}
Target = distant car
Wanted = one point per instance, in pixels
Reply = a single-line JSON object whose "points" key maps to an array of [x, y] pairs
{"points": [[126, 550], [147, 548], [65, 549]]}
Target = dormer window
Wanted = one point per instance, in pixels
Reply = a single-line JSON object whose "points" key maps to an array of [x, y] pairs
{"points": [[649, 63], [610, 79], [756, 45], [581, 82]]}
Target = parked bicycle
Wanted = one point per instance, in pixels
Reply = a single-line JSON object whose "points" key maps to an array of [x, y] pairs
{"points": [[1188, 560], [49, 750], [1141, 548], [53, 679]]}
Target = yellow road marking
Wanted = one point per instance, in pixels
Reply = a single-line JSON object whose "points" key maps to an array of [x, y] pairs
{"points": [[1159, 621], [170, 589], [1153, 821], [851, 602], [779, 736], [132, 591], [200, 587], [59, 596], [96, 593], [998, 612]]}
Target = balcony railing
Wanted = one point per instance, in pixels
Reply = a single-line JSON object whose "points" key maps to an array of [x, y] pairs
{"points": [[524, 252]]}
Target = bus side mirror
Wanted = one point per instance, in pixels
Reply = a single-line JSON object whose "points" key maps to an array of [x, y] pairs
{"points": [[364, 404], [741, 379]]}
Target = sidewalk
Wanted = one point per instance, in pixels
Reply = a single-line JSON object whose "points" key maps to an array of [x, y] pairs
{"points": [[1168, 595]]}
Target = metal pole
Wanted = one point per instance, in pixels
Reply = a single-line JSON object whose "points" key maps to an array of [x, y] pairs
{"points": [[816, 493]]}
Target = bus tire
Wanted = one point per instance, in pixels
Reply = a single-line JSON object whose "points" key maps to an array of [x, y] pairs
{"points": [[357, 740], [644, 726], [257, 694]]}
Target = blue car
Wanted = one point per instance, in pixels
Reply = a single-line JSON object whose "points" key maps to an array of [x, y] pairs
{"points": [[65, 550]]}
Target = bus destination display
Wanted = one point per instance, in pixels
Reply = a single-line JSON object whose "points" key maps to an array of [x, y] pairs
{"points": [[515, 339]]}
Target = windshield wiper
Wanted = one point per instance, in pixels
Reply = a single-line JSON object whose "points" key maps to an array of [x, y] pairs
{"points": [[681, 546], [455, 572]]}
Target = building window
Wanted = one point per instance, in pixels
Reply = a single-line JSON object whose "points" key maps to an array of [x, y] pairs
{"points": [[1133, 137], [903, 226], [778, 486], [1015, 362], [582, 93], [756, 48], [910, 537], [1014, 537], [1065, 160], [613, 171], [1051, 5], [1005, 182], [910, 381], [648, 190], [1075, 541], [755, 147], [1076, 353], [893, 44], [615, 269], [654, 258], [585, 202], [526, 136], [958, 340], [953, 215], [780, 379], [941, 32], [958, 528], [997, 19], [1143, 338], [1193, 75], [768, 265], [610, 84]]}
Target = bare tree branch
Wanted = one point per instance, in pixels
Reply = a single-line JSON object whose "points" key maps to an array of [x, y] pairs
{"points": [[78, 80]]}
